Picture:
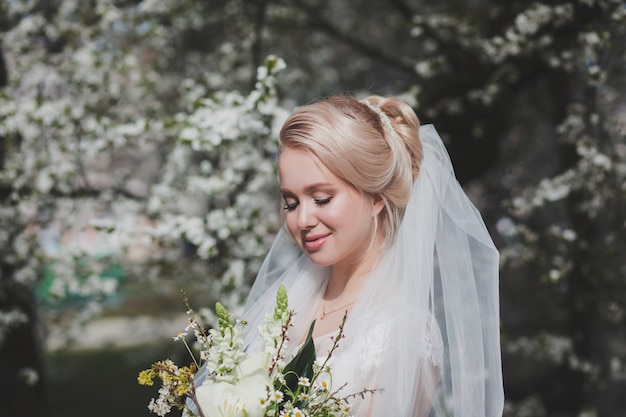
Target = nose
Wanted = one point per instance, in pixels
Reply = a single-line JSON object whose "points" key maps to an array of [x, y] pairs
{"points": [[306, 216]]}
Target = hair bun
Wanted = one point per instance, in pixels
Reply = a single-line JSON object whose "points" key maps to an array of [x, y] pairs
{"points": [[405, 124]]}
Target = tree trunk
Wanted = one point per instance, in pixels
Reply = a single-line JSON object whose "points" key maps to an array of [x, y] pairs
{"points": [[22, 378]]}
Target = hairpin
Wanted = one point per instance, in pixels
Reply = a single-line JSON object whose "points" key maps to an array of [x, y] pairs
{"points": [[383, 117]]}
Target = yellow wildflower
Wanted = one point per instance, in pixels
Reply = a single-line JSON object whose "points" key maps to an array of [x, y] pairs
{"points": [[145, 377]]}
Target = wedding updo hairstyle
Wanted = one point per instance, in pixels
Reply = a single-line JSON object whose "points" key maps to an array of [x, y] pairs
{"points": [[373, 145]]}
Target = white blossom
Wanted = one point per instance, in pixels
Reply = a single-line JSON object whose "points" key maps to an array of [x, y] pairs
{"points": [[11, 319]]}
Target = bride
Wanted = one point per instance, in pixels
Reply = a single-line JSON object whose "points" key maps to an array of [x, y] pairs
{"points": [[378, 228]]}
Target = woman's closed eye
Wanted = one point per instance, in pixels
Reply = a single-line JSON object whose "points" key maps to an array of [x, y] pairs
{"points": [[291, 205], [322, 201]]}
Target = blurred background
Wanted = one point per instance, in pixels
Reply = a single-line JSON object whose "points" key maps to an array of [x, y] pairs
{"points": [[137, 157]]}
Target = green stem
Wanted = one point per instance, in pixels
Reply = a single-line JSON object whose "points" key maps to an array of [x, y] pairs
{"points": [[191, 354]]}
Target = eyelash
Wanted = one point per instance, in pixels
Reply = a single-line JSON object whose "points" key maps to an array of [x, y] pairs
{"points": [[319, 201], [322, 201], [290, 207]]}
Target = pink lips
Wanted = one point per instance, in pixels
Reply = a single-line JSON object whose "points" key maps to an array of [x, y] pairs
{"points": [[314, 242]]}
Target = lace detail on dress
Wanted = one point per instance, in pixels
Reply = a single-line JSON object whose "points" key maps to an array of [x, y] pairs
{"points": [[432, 344], [359, 359]]}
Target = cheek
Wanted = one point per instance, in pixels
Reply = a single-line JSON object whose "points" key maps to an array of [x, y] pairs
{"points": [[359, 221], [337, 218], [351, 215]]}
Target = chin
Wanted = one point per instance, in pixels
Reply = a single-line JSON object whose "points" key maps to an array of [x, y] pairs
{"points": [[320, 261]]}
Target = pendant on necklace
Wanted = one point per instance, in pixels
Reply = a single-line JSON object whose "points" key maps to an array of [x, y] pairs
{"points": [[324, 313]]}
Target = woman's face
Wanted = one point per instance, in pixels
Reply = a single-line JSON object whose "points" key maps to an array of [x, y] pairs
{"points": [[330, 220]]}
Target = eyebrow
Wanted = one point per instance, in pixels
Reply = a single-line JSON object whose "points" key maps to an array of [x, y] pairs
{"points": [[309, 188]]}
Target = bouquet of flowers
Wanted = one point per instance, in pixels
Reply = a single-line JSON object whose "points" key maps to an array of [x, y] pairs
{"points": [[226, 381]]}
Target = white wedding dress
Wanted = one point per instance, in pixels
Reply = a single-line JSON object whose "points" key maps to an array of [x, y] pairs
{"points": [[356, 365]]}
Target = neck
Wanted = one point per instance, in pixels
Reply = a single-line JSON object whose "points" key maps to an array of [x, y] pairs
{"points": [[346, 281]]}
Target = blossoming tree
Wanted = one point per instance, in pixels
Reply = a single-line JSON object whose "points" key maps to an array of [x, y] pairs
{"points": [[112, 153], [148, 119]]}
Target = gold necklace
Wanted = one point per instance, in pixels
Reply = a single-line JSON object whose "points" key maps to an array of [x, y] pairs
{"points": [[325, 313]]}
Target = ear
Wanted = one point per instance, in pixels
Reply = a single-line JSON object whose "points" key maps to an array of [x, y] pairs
{"points": [[379, 204]]}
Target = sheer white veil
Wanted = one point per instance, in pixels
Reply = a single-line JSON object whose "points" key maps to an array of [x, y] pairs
{"points": [[425, 330]]}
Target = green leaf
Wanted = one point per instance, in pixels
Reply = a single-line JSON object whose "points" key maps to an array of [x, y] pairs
{"points": [[301, 365]]}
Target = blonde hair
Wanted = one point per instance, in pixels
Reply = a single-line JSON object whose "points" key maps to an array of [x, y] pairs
{"points": [[351, 140]]}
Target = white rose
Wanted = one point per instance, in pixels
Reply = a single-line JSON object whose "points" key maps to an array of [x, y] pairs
{"points": [[241, 398]]}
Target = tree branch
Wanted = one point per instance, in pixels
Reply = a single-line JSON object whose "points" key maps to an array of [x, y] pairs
{"points": [[316, 22]]}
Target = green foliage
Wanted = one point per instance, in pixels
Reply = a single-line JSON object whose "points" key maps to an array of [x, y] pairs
{"points": [[224, 319], [282, 303], [301, 365]]}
